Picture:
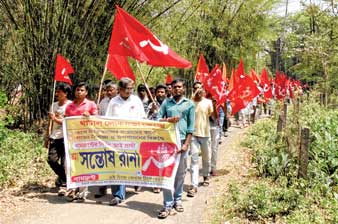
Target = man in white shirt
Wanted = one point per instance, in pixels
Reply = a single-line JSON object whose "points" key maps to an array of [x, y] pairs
{"points": [[111, 92], [56, 147], [124, 105]]}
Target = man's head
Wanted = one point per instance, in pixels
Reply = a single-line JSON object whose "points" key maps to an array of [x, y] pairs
{"points": [[169, 89], [141, 91], [81, 90], [126, 87], [198, 91], [152, 92], [160, 92], [62, 91], [178, 86], [111, 90]]}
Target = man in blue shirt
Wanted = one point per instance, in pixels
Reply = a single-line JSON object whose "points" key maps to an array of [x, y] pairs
{"points": [[180, 110]]}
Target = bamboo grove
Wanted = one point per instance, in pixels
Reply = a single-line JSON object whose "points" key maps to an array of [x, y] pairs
{"points": [[32, 32]]}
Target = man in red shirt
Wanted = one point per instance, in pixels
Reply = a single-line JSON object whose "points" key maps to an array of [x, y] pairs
{"points": [[80, 106]]}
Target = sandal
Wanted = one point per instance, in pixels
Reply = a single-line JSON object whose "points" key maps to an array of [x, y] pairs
{"points": [[115, 201], [205, 181], [191, 193], [178, 207], [165, 212], [62, 192], [156, 190], [70, 195]]}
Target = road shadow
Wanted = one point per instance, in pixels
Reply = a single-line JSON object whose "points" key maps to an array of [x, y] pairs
{"points": [[151, 209], [222, 172], [39, 191]]}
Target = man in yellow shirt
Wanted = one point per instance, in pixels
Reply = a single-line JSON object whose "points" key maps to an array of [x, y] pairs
{"points": [[200, 138]]}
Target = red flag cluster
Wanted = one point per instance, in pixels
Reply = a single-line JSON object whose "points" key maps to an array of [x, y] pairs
{"points": [[242, 88], [130, 38]]}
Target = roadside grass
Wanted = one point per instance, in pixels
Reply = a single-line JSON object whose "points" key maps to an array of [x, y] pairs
{"points": [[22, 158], [274, 193]]}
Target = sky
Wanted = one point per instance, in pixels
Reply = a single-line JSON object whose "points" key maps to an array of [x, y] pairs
{"points": [[294, 6]]}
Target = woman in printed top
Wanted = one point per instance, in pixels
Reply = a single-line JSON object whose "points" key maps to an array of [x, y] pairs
{"points": [[80, 106]]}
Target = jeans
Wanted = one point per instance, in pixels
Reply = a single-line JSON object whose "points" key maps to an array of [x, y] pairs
{"points": [[56, 157], [221, 121], [119, 191], [204, 144], [170, 197], [214, 146]]}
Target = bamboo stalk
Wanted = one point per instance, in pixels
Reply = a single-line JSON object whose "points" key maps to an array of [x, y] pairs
{"points": [[148, 91], [102, 79]]}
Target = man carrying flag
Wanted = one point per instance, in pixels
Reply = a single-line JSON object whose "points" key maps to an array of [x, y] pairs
{"points": [[56, 147], [54, 141]]}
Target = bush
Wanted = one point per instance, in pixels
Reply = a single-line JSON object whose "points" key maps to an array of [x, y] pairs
{"points": [[3, 99], [278, 195], [22, 158]]}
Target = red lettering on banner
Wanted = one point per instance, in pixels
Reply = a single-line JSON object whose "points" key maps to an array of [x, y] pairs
{"points": [[86, 177]]}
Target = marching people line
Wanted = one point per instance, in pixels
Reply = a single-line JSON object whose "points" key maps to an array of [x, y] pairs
{"points": [[140, 207], [202, 125]]}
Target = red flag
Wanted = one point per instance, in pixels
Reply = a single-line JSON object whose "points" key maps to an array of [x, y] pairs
{"points": [[119, 66], [253, 76], [239, 74], [265, 83], [202, 70], [62, 70], [235, 76], [224, 73], [131, 38], [231, 81], [168, 79], [280, 82], [215, 84], [240, 70], [243, 93]]}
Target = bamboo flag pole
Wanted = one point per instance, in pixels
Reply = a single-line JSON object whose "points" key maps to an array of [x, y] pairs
{"points": [[53, 95], [148, 91], [149, 73], [50, 122], [102, 79]]}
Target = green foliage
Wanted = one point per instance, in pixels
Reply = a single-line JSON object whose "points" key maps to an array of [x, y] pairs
{"points": [[32, 35], [22, 158], [3, 99], [275, 202], [310, 51], [279, 195], [271, 157]]}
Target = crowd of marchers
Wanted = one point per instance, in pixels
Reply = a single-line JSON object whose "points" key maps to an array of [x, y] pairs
{"points": [[202, 124]]}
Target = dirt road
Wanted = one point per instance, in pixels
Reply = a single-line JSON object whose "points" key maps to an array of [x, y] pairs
{"points": [[38, 205]]}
